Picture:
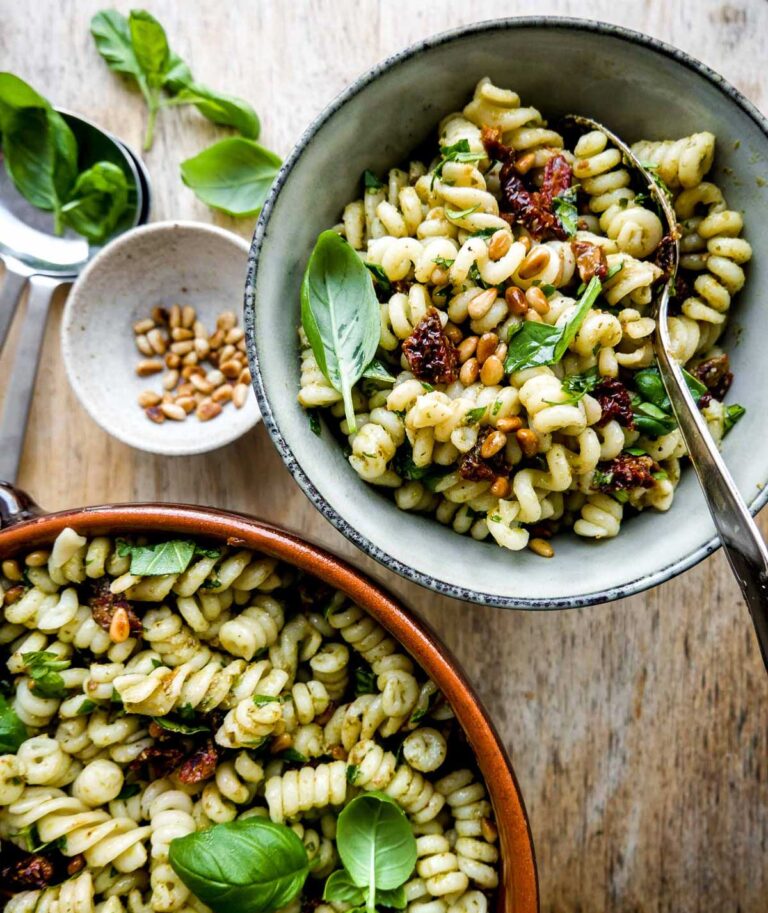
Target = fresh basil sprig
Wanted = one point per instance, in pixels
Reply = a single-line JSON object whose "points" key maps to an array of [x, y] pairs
{"points": [[378, 850], [12, 731], [138, 47], [340, 315], [532, 344], [170, 557], [233, 175], [249, 866]]}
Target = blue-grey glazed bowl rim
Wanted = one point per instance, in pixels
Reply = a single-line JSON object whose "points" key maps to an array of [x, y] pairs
{"points": [[290, 460]]}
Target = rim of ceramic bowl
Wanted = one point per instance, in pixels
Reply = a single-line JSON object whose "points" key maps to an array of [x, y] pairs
{"points": [[414, 634], [230, 430], [289, 458]]}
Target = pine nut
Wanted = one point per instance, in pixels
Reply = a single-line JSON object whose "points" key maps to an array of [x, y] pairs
{"points": [[170, 379], [188, 316], [188, 370], [245, 376], [120, 626], [12, 570], [495, 441], [516, 300], [524, 164], [216, 339], [178, 334], [148, 398], [190, 358], [239, 395], [528, 441], [202, 347], [148, 366], [486, 346], [172, 360], [174, 316], [541, 547], [489, 830], [500, 487], [155, 415], [168, 397], [222, 394], [142, 344], [160, 315], [469, 371], [281, 743], [499, 244], [187, 403], [13, 594], [200, 330], [201, 384], [482, 303], [173, 411], [227, 352], [157, 340], [534, 263], [215, 378], [183, 347], [241, 347], [501, 351], [226, 320], [537, 300], [453, 333], [440, 276], [143, 326], [510, 423], [207, 410], [492, 371], [234, 335], [467, 348], [186, 389], [230, 368]]}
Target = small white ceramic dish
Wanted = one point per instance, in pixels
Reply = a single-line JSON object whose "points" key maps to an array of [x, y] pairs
{"points": [[161, 264]]}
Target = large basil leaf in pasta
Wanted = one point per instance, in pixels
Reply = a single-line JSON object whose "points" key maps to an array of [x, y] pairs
{"points": [[340, 887], [12, 731], [233, 175], [247, 866], [340, 315], [532, 344], [376, 844]]}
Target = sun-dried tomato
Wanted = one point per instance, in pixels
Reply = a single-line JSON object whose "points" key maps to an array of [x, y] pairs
{"points": [[682, 288], [475, 467], [312, 592], [29, 872], [103, 604], [159, 759], [494, 146], [715, 374], [590, 260], [533, 209], [625, 472], [201, 765], [615, 401], [664, 255], [431, 356]]}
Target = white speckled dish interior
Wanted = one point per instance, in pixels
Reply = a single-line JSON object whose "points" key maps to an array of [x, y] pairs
{"points": [[165, 263], [639, 88]]}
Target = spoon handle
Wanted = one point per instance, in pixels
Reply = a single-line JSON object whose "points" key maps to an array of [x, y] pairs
{"points": [[13, 283], [743, 544], [19, 387]]}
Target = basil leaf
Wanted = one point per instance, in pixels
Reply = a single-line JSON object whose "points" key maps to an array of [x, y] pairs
{"points": [[43, 668], [732, 415], [226, 110], [150, 46], [313, 417], [379, 277], [365, 682], [564, 207], [261, 699], [577, 385], [340, 315], [165, 722], [650, 385], [353, 772], [113, 41], [403, 465], [461, 213], [370, 181], [247, 866], [378, 373], [375, 842], [97, 202], [233, 175], [15, 94], [532, 344], [341, 888], [474, 415], [12, 731], [296, 757], [87, 706], [178, 76], [170, 557], [128, 791]]}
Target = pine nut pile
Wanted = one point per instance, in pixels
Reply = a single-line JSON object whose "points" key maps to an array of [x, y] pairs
{"points": [[173, 341]]}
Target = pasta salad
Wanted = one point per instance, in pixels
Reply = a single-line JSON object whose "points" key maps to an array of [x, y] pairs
{"points": [[484, 337], [185, 728]]}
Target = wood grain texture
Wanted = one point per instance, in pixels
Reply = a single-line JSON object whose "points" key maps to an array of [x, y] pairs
{"points": [[638, 729]]}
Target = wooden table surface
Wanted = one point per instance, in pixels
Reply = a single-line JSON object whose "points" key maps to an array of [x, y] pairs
{"points": [[637, 729]]}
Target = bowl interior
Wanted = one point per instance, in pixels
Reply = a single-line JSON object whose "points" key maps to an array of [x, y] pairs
{"points": [[518, 892], [161, 264], [639, 90]]}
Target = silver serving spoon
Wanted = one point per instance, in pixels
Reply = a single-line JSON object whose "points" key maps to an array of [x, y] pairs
{"points": [[34, 256], [741, 539]]}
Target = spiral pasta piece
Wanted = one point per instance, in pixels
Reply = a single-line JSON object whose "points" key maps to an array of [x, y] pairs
{"points": [[601, 517], [682, 162], [301, 790], [475, 837]]}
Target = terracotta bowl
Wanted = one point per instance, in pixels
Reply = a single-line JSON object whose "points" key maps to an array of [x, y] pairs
{"points": [[518, 892]]}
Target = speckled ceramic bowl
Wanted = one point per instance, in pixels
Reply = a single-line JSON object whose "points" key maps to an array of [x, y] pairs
{"points": [[638, 87], [23, 529]]}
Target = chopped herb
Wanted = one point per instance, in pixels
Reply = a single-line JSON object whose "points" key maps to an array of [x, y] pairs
{"points": [[616, 268], [353, 772], [365, 682], [495, 518], [370, 181], [210, 583], [44, 668], [129, 790], [165, 722], [186, 712], [549, 290], [87, 706], [660, 475], [657, 179], [12, 730], [732, 415], [564, 207], [313, 417], [636, 451], [428, 387], [621, 496], [403, 465], [474, 415], [577, 385], [261, 699], [458, 214], [290, 754], [484, 233], [156, 663], [380, 278], [445, 264], [496, 407], [601, 479], [458, 152]]}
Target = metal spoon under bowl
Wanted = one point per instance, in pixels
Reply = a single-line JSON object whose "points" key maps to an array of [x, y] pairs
{"points": [[33, 255], [741, 539]]}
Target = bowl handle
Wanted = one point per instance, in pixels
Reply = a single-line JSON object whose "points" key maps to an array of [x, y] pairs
{"points": [[15, 506]]}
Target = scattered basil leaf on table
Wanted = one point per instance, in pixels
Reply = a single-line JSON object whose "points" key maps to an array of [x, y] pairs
{"points": [[247, 866], [171, 725], [12, 731], [532, 344], [98, 200], [225, 110], [233, 175], [44, 668], [340, 315]]}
